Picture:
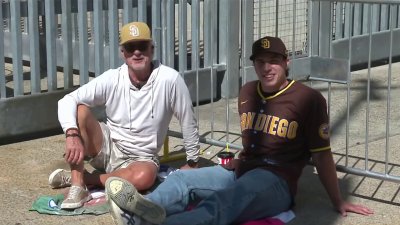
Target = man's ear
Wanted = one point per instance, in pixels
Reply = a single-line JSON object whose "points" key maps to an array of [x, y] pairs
{"points": [[121, 51]]}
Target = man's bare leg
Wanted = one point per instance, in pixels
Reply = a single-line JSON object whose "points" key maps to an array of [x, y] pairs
{"points": [[92, 140], [141, 174]]}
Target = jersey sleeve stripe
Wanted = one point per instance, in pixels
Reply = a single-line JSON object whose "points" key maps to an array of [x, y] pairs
{"points": [[320, 149]]}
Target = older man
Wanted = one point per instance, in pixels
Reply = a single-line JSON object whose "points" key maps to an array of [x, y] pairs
{"points": [[140, 98]]}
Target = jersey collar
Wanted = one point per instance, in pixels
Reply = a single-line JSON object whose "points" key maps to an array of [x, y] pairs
{"points": [[259, 91]]}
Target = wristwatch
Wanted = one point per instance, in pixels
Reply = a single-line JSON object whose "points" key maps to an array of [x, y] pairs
{"points": [[191, 163]]}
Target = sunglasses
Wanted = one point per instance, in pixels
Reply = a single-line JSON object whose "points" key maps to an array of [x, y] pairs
{"points": [[140, 46]]}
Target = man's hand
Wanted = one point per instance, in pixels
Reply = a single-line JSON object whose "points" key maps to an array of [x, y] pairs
{"points": [[190, 165], [349, 207], [74, 150]]}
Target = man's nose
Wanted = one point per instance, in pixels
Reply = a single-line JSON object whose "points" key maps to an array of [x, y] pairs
{"points": [[267, 65]]}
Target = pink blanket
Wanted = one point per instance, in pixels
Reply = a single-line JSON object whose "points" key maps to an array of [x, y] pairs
{"points": [[267, 221]]}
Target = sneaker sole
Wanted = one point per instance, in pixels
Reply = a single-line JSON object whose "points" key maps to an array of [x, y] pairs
{"points": [[51, 177], [75, 205], [125, 195], [115, 212], [120, 217]]}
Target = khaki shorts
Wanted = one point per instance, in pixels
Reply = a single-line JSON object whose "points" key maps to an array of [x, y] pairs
{"points": [[110, 158]]}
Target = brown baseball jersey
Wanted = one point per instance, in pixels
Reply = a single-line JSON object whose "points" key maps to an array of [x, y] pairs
{"points": [[280, 131]]}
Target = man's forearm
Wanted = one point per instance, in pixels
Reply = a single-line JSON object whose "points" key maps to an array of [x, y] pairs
{"points": [[325, 166]]}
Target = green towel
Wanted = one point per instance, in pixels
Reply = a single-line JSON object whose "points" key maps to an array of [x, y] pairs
{"points": [[51, 205]]}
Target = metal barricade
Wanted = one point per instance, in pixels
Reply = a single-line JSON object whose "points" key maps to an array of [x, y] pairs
{"points": [[52, 47]]}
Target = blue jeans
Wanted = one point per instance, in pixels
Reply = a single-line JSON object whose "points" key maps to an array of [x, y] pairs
{"points": [[225, 200]]}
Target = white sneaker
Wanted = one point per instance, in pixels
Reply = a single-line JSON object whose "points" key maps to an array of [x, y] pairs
{"points": [[77, 196], [122, 217], [126, 197], [60, 178]]}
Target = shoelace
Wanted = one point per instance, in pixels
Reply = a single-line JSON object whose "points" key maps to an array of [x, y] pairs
{"points": [[65, 179], [73, 192]]}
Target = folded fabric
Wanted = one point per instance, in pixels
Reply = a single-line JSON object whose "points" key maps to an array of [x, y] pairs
{"points": [[51, 205]]}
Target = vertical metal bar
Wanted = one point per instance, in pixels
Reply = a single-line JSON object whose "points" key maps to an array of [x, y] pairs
{"points": [[391, 26], [347, 20], [350, 27], [90, 22], [325, 29], [156, 27], [291, 72], [398, 16], [113, 27], [247, 36], [384, 17], [196, 47], [127, 11], [142, 10], [51, 53], [214, 32], [213, 58], [367, 115], [331, 19], [170, 45], [229, 46], [358, 19], [227, 80], [34, 45], [83, 42], [277, 17], [331, 38], [74, 26], [366, 18], [182, 36], [66, 33], [195, 27], [98, 37], [167, 28], [314, 28], [164, 30], [206, 34], [2, 67], [339, 21], [376, 18], [16, 42], [259, 18]]}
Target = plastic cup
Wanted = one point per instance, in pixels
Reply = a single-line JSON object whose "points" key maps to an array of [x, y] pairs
{"points": [[225, 157]]}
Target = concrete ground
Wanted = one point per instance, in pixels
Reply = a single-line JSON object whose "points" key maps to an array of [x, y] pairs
{"points": [[25, 165]]}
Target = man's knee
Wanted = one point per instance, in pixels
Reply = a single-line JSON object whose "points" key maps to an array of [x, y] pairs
{"points": [[142, 175]]}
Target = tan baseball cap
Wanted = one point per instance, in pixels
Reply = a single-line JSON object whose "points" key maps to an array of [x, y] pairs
{"points": [[134, 31], [270, 45]]}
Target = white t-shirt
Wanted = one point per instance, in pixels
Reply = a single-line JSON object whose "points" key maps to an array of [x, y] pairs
{"points": [[138, 118]]}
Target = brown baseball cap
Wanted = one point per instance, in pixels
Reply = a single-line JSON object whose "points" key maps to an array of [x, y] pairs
{"points": [[268, 44], [134, 31]]}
